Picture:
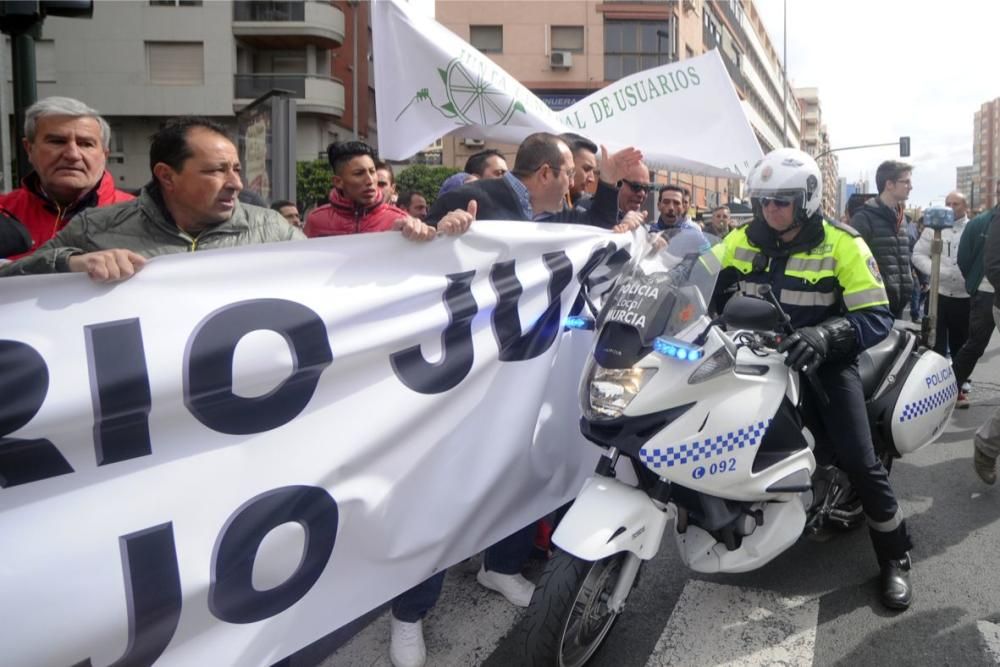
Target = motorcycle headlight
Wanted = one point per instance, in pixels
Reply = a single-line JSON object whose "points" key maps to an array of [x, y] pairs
{"points": [[608, 391]]}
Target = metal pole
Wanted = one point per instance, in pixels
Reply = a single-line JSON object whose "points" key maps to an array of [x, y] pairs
{"points": [[354, 73], [930, 331], [5, 138], [23, 63], [784, 73]]}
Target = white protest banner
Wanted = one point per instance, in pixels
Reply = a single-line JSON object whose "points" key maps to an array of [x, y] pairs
{"points": [[430, 83], [684, 116], [235, 452]]}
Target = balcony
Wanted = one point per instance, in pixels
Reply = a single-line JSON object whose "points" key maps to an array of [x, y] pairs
{"points": [[313, 94], [284, 25]]}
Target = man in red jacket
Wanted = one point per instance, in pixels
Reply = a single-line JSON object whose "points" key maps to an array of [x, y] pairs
{"points": [[356, 202], [67, 144]]}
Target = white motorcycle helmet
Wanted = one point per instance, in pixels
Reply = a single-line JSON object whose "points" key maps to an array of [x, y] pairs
{"points": [[786, 175]]}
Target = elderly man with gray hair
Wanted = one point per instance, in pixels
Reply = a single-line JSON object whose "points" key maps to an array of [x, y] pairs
{"points": [[67, 145]]}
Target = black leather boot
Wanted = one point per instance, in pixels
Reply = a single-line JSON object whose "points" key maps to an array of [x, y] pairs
{"points": [[894, 583]]}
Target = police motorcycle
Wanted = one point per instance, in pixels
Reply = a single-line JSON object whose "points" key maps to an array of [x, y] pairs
{"points": [[704, 411]]}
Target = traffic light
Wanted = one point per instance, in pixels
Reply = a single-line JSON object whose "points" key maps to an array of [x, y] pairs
{"points": [[904, 147], [20, 16]]}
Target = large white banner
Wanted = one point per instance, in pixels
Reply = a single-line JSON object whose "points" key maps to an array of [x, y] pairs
{"points": [[234, 453], [430, 83]]}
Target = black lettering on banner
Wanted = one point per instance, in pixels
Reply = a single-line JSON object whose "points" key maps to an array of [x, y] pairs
{"points": [[506, 321], [24, 382], [208, 365], [457, 354], [231, 595], [596, 259], [152, 592], [119, 389]]}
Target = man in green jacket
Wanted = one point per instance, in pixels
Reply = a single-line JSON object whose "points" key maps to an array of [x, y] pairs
{"points": [[191, 204], [970, 261]]}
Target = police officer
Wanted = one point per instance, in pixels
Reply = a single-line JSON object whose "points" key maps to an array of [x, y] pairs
{"points": [[828, 283]]}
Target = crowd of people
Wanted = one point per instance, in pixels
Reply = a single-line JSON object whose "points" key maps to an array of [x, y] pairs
{"points": [[68, 216]]}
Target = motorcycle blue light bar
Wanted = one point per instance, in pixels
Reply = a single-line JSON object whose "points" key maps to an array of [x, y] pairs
{"points": [[677, 349], [579, 322]]}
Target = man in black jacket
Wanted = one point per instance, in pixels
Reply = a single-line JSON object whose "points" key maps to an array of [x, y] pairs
{"points": [[881, 223], [987, 443], [536, 188]]}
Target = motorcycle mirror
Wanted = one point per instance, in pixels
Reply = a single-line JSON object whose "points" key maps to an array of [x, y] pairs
{"points": [[747, 312]]}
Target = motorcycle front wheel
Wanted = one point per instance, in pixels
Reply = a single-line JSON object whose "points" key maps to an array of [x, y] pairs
{"points": [[568, 617]]}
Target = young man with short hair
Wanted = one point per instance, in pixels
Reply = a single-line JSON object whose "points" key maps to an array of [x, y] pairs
{"points": [[881, 224]]}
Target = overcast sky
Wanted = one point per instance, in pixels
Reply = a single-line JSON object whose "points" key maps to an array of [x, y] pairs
{"points": [[886, 68]]}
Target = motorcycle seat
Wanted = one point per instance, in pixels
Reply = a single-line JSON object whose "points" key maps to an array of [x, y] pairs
{"points": [[875, 362]]}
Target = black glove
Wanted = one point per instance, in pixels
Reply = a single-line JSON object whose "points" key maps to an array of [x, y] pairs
{"points": [[14, 238], [809, 347]]}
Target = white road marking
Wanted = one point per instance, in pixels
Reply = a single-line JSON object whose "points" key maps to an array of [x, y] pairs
{"points": [[713, 625], [991, 636]]}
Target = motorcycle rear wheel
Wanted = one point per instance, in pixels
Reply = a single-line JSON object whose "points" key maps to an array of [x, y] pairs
{"points": [[568, 617]]}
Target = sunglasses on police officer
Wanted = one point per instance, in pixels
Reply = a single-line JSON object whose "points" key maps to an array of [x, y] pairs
{"points": [[779, 203]]}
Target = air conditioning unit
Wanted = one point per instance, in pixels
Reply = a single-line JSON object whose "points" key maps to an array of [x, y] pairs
{"points": [[474, 143], [561, 59]]}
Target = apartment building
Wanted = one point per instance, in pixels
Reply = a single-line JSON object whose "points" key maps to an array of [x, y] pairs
{"points": [[964, 177], [986, 153], [141, 62], [816, 142], [563, 50]]}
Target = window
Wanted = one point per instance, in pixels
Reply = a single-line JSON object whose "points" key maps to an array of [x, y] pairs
{"points": [[117, 148], [45, 60], [632, 46], [487, 38], [567, 38], [175, 63], [280, 61]]}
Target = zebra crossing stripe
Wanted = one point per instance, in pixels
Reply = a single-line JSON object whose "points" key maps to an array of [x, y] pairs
{"points": [[714, 624], [991, 637]]}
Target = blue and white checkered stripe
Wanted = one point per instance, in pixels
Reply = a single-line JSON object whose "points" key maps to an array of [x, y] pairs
{"points": [[699, 450], [928, 403]]}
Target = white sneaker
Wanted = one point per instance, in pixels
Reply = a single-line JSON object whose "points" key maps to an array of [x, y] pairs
{"points": [[407, 646], [967, 387], [514, 587]]}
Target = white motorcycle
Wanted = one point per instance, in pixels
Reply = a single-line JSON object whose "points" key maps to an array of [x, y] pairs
{"points": [[707, 413]]}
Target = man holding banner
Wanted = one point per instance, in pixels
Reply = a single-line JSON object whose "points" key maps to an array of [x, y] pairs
{"points": [[191, 204]]}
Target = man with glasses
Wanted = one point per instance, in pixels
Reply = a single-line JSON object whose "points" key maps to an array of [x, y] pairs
{"points": [[536, 188], [881, 223], [633, 188]]}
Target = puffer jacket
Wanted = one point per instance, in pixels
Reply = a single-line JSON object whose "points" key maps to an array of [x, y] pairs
{"points": [[883, 231], [950, 281], [343, 216], [144, 227], [43, 217]]}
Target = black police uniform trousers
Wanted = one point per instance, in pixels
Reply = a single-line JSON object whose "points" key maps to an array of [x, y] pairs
{"points": [[846, 441]]}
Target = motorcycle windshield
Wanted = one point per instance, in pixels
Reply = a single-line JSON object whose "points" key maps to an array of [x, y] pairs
{"points": [[663, 290]]}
